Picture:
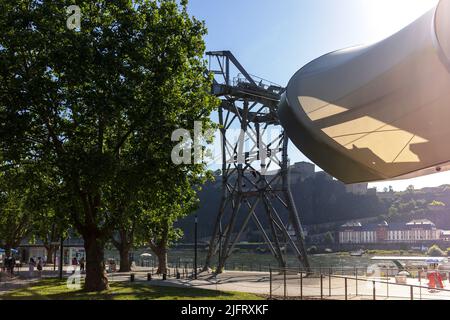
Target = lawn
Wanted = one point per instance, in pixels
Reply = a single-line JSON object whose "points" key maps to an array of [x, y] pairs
{"points": [[55, 289]]}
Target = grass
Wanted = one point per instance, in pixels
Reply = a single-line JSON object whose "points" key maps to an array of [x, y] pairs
{"points": [[55, 289], [395, 253]]}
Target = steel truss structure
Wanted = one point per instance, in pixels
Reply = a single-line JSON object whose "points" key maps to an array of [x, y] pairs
{"points": [[249, 190]]}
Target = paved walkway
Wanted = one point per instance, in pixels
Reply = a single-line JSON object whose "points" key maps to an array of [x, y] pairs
{"points": [[310, 288], [259, 283]]}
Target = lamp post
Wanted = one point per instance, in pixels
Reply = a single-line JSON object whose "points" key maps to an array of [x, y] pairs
{"points": [[220, 242], [195, 245], [61, 257]]}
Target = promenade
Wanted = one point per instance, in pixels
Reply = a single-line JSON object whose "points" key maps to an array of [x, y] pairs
{"points": [[275, 286]]}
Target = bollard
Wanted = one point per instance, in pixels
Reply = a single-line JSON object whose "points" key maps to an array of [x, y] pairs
{"points": [[412, 293], [321, 286], [149, 276], [285, 286], [164, 276], [301, 285], [374, 291], [132, 277], [356, 279], [270, 281]]}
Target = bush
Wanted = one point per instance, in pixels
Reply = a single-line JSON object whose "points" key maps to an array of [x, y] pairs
{"points": [[261, 250], [313, 250], [435, 251]]}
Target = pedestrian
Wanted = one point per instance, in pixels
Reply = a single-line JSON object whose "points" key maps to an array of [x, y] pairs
{"points": [[82, 261], [74, 264], [31, 266], [12, 264], [40, 266], [6, 264]]}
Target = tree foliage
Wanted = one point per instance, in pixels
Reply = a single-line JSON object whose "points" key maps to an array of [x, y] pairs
{"points": [[99, 104], [17, 193], [435, 251]]}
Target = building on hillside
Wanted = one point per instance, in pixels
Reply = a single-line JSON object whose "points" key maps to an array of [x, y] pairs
{"points": [[302, 170], [357, 188], [325, 176], [355, 232], [412, 232], [445, 235]]}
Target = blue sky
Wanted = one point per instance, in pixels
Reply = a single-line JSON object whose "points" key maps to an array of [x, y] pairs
{"points": [[274, 38]]}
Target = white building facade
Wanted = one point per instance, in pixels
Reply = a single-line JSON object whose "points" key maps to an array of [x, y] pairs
{"points": [[411, 232]]}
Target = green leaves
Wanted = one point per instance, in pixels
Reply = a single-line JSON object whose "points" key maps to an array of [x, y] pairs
{"points": [[91, 111]]}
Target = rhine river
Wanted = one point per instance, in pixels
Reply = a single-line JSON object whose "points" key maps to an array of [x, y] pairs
{"points": [[249, 260]]}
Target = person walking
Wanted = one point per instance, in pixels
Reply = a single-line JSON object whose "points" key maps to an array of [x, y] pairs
{"points": [[82, 262], [12, 264], [74, 264], [40, 267], [6, 264], [31, 266]]}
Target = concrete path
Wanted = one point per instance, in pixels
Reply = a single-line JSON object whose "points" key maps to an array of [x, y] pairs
{"points": [[259, 283]]}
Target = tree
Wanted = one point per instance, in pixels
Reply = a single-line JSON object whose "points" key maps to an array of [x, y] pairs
{"points": [[123, 237], [15, 213], [83, 101], [437, 204], [329, 238], [50, 221], [14, 224], [157, 225], [435, 251], [170, 203]]}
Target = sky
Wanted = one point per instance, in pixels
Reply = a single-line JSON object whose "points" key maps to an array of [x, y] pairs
{"points": [[275, 38]]}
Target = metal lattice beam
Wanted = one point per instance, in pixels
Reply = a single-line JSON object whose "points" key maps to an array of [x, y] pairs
{"points": [[247, 187]]}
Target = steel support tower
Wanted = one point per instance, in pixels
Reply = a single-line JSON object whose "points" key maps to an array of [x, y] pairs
{"points": [[250, 190]]}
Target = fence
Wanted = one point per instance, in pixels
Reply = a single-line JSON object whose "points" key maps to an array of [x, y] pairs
{"points": [[260, 267], [294, 284]]}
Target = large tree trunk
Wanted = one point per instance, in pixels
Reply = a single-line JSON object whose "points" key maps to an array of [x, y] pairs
{"points": [[125, 264], [50, 252], [96, 279], [161, 253]]}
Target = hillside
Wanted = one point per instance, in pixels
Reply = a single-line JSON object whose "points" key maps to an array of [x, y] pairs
{"points": [[319, 199], [322, 200]]}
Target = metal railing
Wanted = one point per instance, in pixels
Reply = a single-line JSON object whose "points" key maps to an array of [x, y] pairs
{"points": [[294, 284]]}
